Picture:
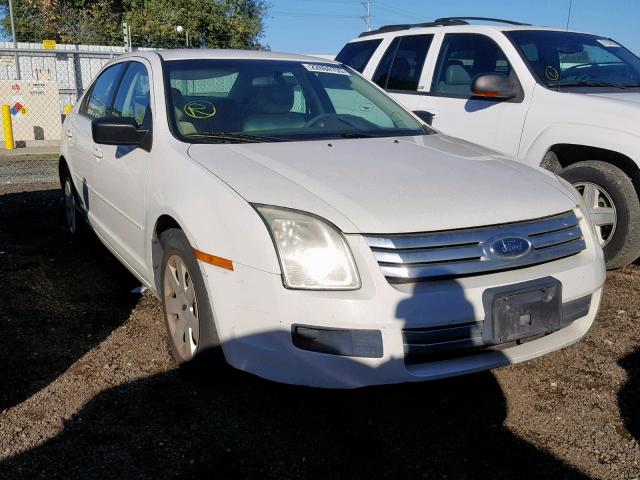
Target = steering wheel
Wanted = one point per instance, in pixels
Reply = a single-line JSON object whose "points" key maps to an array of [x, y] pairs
{"points": [[351, 120]]}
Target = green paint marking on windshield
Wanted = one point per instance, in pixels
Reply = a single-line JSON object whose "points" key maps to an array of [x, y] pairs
{"points": [[200, 109]]}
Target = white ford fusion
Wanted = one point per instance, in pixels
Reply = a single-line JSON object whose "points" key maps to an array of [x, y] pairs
{"points": [[292, 216]]}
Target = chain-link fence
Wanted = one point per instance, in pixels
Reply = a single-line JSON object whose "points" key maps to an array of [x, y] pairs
{"points": [[38, 85]]}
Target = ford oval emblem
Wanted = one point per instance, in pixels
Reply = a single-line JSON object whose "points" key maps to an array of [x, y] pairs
{"points": [[510, 248]]}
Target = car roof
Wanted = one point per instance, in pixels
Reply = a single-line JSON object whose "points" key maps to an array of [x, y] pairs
{"points": [[408, 29], [209, 53]]}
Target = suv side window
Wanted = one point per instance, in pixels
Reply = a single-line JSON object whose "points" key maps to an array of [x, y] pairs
{"points": [[462, 57], [133, 98], [358, 54], [401, 65], [99, 99]]}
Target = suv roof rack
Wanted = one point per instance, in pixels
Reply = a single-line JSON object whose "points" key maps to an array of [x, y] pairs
{"points": [[439, 22]]}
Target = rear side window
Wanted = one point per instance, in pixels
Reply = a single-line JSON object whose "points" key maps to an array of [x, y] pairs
{"points": [[358, 54], [99, 99], [401, 65], [462, 57]]}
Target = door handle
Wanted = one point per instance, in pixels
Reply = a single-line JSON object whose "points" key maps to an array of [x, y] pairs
{"points": [[69, 134], [97, 152]]}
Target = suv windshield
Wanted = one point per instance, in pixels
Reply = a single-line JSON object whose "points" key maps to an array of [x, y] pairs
{"points": [[239, 101], [576, 59]]}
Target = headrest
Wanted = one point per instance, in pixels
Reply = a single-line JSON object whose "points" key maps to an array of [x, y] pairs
{"points": [[401, 68], [457, 75], [177, 96], [274, 99]]}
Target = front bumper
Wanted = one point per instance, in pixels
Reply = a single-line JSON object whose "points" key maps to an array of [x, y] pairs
{"points": [[254, 316]]}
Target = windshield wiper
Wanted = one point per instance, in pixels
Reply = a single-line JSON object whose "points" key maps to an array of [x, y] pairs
{"points": [[234, 138], [590, 83], [356, 135]]}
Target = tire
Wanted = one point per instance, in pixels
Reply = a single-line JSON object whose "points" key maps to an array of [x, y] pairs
{"points": [[191, 331], [621, 241], [74, 217]]}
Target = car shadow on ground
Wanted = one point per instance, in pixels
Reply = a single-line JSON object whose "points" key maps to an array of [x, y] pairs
{"points": [[630, 393], [233, 425], [59, 298]]}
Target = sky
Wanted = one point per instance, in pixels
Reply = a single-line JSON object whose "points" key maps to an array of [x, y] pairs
{"points": [[324, 26]]}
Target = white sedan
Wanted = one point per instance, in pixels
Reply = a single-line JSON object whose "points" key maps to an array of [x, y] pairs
{"points": [[304, 226]]}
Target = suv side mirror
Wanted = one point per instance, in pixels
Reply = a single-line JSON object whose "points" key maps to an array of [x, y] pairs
{"points": [[494, 85], [120, 131], [426, 117]]}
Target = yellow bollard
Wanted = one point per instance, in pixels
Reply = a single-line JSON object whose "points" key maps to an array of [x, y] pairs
{"points": [[67, 109], [8, 127]]}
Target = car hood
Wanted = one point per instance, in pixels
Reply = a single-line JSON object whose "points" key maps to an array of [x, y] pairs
{"points": [[386, 185], [619, 96]]}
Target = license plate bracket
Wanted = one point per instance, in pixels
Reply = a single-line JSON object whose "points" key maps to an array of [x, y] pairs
{"points": [[522, 310]]}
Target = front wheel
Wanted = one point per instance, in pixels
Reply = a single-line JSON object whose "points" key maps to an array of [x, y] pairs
{"points": [[188, 316], [613, 207]]}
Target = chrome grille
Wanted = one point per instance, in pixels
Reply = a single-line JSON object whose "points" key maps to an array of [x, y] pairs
{"points": [[423, 256]]}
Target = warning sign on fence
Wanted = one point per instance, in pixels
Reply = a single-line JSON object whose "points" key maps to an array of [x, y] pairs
{"points": [[49, 44]]}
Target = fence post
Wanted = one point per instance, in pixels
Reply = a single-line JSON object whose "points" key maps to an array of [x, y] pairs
{"points": [[8, 127]]}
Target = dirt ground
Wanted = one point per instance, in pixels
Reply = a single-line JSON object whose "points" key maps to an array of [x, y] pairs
{"points": [[88, 390]]}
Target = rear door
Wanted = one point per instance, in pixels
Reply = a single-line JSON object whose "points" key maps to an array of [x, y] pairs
{"points": [[400, 70]]}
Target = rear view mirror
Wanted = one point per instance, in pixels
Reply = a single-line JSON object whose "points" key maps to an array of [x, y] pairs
{"points": [[120, 131], [494, 85], [426, 117]]}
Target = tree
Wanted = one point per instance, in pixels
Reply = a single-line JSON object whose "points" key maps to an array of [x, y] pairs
{"points": [[210, 23]]}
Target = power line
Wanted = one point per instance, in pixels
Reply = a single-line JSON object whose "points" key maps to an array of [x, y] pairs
{"points": [[569, 13]]}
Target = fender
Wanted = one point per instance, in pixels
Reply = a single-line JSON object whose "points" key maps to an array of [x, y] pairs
{"points": [[239, 235], [579, 134]]}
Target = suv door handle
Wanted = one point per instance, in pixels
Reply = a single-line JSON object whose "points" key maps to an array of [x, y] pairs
{"points": [[69, 133], [97, 152]]}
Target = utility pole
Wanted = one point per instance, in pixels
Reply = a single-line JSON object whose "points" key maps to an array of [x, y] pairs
{"points": [[15, 42], [126, 36], [367, 17]]}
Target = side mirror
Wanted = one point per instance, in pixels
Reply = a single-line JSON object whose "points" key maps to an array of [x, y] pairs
{"points": [[120, 131], [426, 117], [494, 85]]}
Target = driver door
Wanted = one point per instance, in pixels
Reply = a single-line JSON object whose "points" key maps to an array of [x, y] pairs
{"points": [[121, 172]]}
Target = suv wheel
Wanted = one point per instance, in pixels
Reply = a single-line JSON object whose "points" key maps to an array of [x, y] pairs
{"points": [[188, 317], [614, 208]]}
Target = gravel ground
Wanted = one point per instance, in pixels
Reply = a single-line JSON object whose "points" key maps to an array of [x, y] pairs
{"points": [[89, 390]]}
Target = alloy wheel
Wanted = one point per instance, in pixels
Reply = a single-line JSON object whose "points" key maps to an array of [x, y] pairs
{"points": [[602, 210]]}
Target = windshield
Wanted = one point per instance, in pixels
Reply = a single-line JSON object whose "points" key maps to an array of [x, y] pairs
{"points": [[237, 101], [576, 59]]}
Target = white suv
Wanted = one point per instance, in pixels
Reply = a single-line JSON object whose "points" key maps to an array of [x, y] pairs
{"points": [[566, 101], [312, 242]]}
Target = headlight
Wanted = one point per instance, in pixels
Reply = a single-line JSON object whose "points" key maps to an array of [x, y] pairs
{"points": [[313, 253]]}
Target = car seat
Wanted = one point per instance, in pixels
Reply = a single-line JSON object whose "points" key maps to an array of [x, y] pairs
{"points": [[272, 109]]}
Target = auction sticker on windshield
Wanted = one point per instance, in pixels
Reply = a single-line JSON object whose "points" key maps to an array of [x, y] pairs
{"points": [[321, 68], [605, 42]]}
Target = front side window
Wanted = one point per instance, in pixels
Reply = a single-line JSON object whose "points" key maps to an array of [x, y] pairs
{"points": [[462, 57], [99, 98], [132, 98], [280, 101], [401, 65], [358, 54], [576, 60]]}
